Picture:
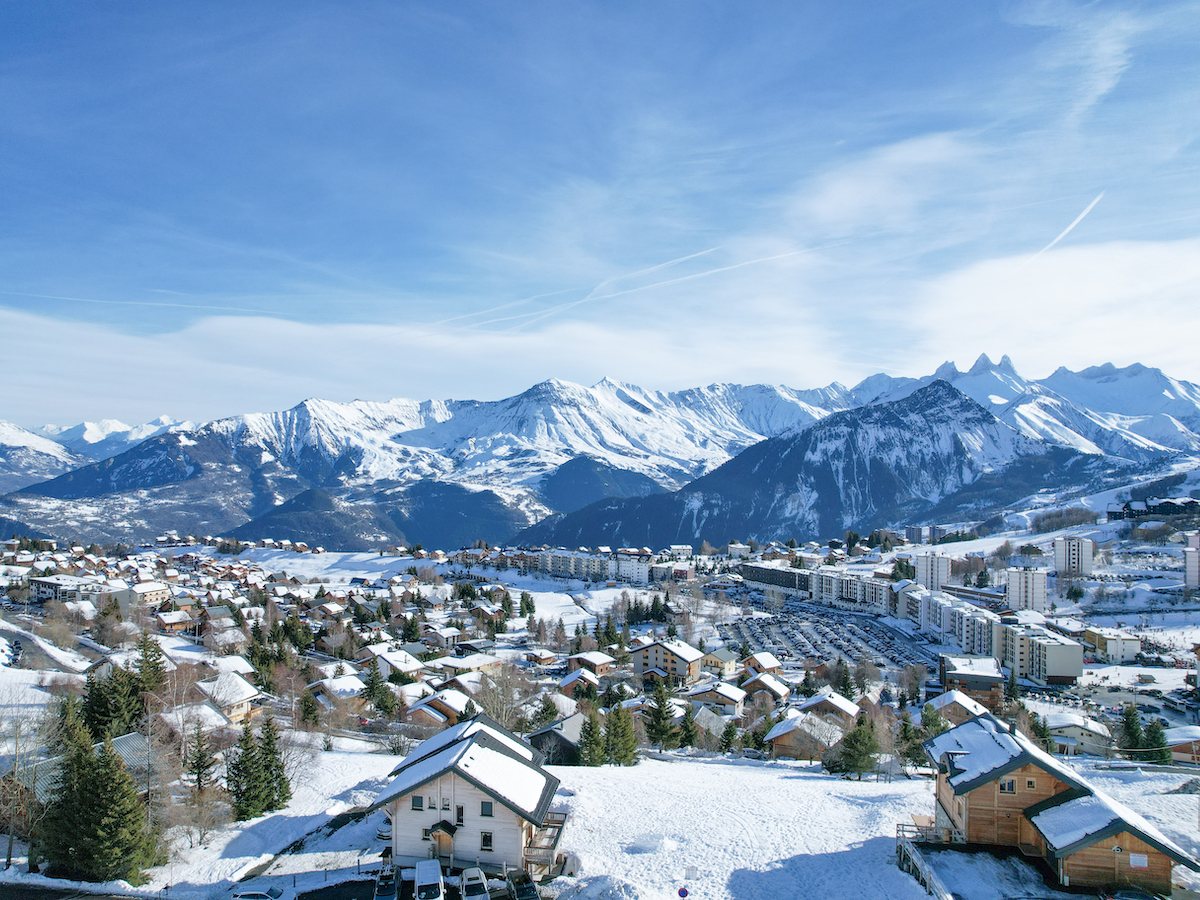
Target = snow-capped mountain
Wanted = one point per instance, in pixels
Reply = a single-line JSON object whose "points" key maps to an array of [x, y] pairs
{"points": [[27, 458], [497, 455], [862, 468], [437, 469], [108, 437]]}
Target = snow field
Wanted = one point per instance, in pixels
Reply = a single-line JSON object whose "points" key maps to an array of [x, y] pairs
{"points": [[750, 831]]}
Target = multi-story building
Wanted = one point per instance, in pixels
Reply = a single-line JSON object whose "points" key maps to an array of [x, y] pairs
{"points": [[670, 660], [1036, 653], [1191, 568], [1073, 555], [1027, 588], [933, 570], [1113, 645]]}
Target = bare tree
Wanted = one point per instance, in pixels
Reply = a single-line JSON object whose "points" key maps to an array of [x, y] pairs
{"points": [[24, 731], [505, 695]]}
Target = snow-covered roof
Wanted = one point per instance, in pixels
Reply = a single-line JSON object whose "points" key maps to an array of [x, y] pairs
{"points": [[723, 689], [344, 686], [973, 665], [1073, 820], [579, 675], [1182, 734], [228, 688], [941, 701], [764, 660], [683, 650], [828, 733], [488, 759], [400, 660], [834, 699], [769, 682], [464, 730], [983, 749], [595, 657]]}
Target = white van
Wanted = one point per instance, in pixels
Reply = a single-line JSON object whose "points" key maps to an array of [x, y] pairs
{"points": [[429, 880]]}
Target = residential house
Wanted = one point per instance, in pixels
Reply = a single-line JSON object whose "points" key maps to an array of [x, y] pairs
{"points": [[996, 787], [599, 664], [766, 687], [722, 662], [829, 704], [474, 794], [559, 741], [232, 694], [340, 691], [1184, 742], [576, 680], [762, 662], [672, 660], [804, 735], [956, 707], [721, 697]]}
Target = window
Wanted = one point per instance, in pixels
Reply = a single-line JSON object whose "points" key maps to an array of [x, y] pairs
{"points": [[425, 833], [485, 840], [445, 803], [458, 815], [1008, 785], [432, 803], [1031, 784], [485, 809], [418, 802]]}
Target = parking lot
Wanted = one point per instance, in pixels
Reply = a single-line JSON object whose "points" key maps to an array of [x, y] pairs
{"points": [[807, 630]]}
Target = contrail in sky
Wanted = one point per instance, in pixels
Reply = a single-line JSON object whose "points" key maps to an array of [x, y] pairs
{"points": [[1067, 230]]}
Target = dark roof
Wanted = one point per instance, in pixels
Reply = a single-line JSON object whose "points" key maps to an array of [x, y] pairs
{"points": [[569, 729], [42, 776], [1120, 824]]}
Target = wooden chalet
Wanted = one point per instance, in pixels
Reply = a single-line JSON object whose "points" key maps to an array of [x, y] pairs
{"points": [[995, 787]]}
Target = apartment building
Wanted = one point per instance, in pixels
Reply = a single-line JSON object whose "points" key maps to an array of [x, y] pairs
{"points": [[1027, 588], [1073, 555], [933, 570]]}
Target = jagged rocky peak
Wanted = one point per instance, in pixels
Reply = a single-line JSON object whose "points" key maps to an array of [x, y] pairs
{"points": [[947, 371]]}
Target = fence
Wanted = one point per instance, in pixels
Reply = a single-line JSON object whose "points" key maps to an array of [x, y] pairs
{"points": [[910, 860]]}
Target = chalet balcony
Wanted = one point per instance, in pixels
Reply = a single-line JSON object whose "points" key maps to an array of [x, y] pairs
{"points": [[539, 855]]}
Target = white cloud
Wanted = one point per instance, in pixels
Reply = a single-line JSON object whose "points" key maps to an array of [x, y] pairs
{"points": [[1119, 302]]}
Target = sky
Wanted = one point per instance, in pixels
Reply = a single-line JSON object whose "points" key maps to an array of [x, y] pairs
{"points": [[211, 209]]}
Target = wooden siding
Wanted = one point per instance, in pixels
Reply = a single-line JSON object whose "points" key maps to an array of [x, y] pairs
{"points": [[993, 817], [1099, 865]]}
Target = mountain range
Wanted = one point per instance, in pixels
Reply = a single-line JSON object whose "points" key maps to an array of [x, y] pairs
{"points": [[611, 463]]}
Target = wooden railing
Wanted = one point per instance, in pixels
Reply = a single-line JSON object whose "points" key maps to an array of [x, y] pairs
{"points": [[910, 860]]}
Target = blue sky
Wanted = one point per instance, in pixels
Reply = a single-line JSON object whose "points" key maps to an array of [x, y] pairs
{"points": [[218, 208]]}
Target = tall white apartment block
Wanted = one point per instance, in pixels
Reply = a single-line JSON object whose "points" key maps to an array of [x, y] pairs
{"points": [[1027, 589], [933, 570], [1191, 568], [1072, 556]]}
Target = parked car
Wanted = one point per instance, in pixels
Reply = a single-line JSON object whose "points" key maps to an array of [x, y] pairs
{"points": [[269, 894], [520, 885], [473, 883], [429, 883]]}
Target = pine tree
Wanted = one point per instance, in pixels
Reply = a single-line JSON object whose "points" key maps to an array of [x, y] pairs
{"points": [[119, 842], [547, 712], [310, 710], [375, 688], [277, 790], [151, 664], [728, 737], [200, 760], [63, 828], [1154, 741], [1041, 732], [859, 748], [620, 742], [808, 687], [1012, 690], [908, 742], [244, 778], [933, 722], [591, 742], [660, 729], [843, 683], [687, 728], [1131, 737]]}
